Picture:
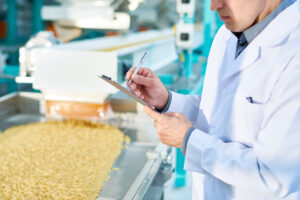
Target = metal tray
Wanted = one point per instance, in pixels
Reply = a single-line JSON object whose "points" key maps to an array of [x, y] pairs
{"points": [[139, 164]]}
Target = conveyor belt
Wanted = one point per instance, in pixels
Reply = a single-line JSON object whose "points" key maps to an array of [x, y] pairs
{"points": [[135, 169]]}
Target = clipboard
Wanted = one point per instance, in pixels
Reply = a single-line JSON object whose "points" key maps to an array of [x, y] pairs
{"points": [[121, 88]]}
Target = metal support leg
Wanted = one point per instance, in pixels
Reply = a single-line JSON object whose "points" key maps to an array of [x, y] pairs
{"points": [[180, 173], [188, 63]]}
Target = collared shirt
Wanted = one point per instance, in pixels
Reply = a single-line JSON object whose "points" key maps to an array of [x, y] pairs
{"points": [[250, 34]]}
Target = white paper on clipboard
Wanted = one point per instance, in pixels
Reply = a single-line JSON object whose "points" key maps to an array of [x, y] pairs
{"points": [[121, 88]]}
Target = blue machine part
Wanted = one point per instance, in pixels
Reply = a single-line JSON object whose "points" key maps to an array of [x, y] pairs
{"points": [[211, 23], [11, 21], [37, 21], [187, 19], [180, 173], [9, 84], [187, 62], [167, 79]]}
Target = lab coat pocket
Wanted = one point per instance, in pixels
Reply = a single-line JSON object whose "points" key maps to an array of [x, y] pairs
{"points": [[247, 117], [253, 114]]}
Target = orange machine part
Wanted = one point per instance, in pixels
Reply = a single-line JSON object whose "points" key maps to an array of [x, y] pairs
{"points": [[2, 29], [76, 110], [51, 28]]}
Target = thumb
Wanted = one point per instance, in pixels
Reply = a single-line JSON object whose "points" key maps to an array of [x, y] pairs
{"points": [[142, 80], [151, 113], [170, 114]]}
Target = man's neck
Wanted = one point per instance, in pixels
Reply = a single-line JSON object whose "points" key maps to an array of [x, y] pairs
{"points": [[269, 7]]}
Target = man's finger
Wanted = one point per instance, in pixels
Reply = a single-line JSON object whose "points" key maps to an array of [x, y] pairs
{"points": [[133, 86], [142, 80], [129, 73], [145, 72], [151, 113]]}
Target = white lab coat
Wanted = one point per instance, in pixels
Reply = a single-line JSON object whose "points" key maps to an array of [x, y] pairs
{"points": [[241, 149]]}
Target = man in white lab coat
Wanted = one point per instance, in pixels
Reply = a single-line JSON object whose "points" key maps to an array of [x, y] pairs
{"points": [[242, 138]]}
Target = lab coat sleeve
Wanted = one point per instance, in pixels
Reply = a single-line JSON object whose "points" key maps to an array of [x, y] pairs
{"points": [[273, 163], [187, 105]]}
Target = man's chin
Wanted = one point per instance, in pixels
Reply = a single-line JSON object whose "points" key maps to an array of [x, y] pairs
{"points": [[233, 28]]}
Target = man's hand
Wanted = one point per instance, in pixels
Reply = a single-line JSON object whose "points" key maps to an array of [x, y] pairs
{"points": [[171, 127], [147, 86]]}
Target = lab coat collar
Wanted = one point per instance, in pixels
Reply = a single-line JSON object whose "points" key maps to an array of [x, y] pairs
{"points": [[274, 35], [280, 27]]}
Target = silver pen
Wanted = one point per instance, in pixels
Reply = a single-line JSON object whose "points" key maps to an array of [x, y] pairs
{"points": [[140, 64]]}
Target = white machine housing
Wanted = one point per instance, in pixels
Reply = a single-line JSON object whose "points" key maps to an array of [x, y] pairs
{"points": [[185, 35], [68, 71], [186, 6], [185, 29]]}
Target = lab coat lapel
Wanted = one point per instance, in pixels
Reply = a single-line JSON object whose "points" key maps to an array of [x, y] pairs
{"points": [[272, 36], [244, 60]]}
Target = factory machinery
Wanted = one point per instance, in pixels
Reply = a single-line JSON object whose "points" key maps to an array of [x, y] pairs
{"points": [[65, 75]]}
